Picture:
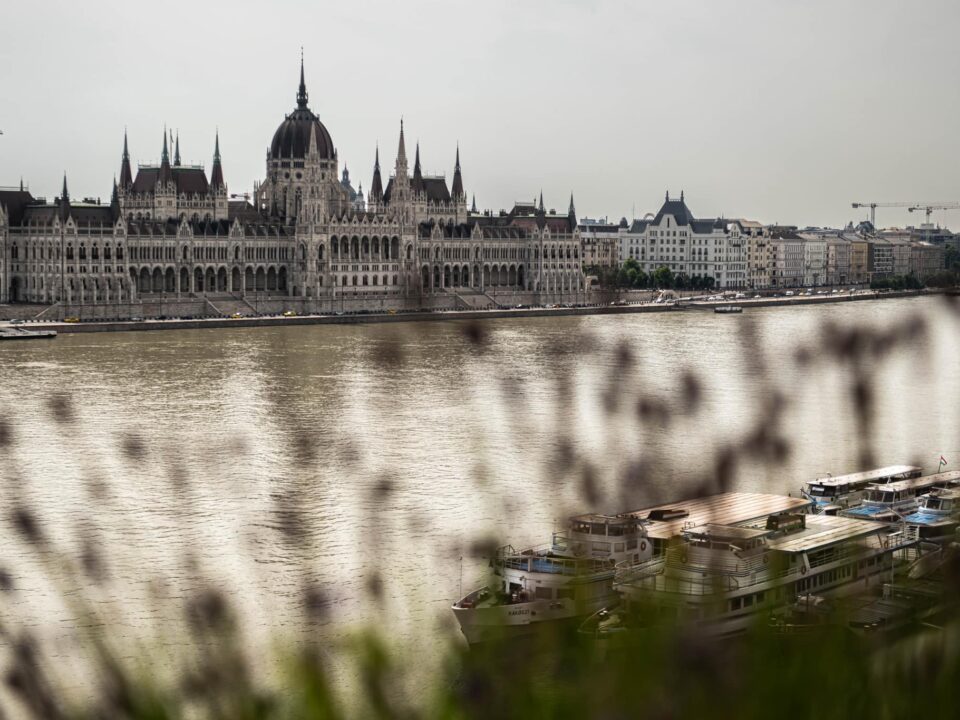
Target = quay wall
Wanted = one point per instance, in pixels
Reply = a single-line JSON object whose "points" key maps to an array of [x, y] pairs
{"points": [[444, 314]]}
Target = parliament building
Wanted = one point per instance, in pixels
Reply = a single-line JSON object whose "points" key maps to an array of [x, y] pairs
{"points": [[305, 239]]}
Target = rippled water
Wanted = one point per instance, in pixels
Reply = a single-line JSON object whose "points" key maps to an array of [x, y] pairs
{"points": [[353, 458]]}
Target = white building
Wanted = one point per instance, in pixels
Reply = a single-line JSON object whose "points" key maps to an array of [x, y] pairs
{"points": [[689, 246]]}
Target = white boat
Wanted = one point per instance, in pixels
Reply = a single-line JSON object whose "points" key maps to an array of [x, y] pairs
{"points": [[832, 494], [728, 309], [889, 502], [937, 515], [572, 577], [720, 578]]}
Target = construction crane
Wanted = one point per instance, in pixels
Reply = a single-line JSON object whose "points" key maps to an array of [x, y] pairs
{"points": [[874, 205], [929, 208]]}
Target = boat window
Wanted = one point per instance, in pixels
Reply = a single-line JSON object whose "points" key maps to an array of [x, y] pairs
{"points": [[735, 604], [632, 544], [618, 547], [601, 547], [747, 600], [933, 503], [544, 593], [820, 491], [564, 593]]}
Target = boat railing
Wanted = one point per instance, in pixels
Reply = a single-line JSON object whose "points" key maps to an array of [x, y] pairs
{"points": [[723, 577], [539, 559]]}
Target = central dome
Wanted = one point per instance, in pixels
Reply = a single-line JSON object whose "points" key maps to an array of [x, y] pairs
{"points": [[292, 139]]}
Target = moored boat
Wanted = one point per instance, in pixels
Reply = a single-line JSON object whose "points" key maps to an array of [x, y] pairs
{"points": [[721, 578], [832, 494], [938, 515], [728, 309], [569, 578], [891, 501]]}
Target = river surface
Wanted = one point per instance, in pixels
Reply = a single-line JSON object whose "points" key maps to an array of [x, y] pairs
{"points": [[365, 462]]}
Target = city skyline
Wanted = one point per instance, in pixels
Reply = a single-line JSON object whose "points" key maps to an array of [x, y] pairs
{"points": [[533, 99]]}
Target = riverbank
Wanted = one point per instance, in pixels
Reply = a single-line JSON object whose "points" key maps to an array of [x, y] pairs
{"points": [[448, 315]]}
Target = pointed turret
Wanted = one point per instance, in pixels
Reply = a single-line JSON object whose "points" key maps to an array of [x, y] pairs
{"points": [[473, 207], [166, 175], [64, 200], [21, 184], [302, 90], [376, 187], [176, 151], [126, 177], [115, 200], [417, 175], [216, 175], [572, 213], [541, 208], [457, 189], [401, 150]]}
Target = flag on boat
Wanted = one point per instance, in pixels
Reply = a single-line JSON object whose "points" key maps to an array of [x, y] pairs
{"points": [[943, 460]]}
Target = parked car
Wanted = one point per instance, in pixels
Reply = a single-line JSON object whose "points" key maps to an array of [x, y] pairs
{"points": [[71, 319], [289, 313]]}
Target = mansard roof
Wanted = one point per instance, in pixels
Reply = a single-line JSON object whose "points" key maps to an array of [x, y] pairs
{"points": [[188, 180], [15, 203], [679, 210]]}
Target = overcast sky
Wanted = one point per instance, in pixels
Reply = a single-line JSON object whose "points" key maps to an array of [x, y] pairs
{"points": [[776, 110]]}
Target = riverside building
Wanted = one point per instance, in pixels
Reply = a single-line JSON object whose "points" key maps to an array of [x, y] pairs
{"points": [[173, 240], [687, 245]]}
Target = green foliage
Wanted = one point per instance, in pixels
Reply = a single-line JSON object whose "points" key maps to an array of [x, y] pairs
{"points": [[897, 282]]}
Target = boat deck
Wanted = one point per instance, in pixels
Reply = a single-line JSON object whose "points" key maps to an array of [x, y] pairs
{"points": [[722, 509]]}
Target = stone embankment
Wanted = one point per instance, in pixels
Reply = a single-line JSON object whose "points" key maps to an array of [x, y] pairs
{"points": [[448, 315]]}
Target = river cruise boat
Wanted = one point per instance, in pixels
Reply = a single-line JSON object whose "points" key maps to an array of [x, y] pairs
{"points": [[728, 310], [721, 578], [832, 494], [889, 502], [572, 577], [569, 578], [937, 515]]}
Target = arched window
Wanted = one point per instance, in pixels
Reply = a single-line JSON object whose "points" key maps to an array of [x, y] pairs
{"points": [[394, 279], [106, 252], [320, 253], [375, 279], [119, 252], [354, 280], [95, 252], [83, 252], [69, 251], [366, 280]]}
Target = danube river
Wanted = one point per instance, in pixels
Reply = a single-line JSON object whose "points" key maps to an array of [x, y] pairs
{"points": [[354, 469]]}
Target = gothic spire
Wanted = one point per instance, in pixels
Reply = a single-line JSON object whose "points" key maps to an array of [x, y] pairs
{"points": [[401, 149], [165, 174], [417, 174], [457, 190], [64, 200], [176, 152], [473, 208], [302, 92], [216, 175], [126, 177], [541, 208], [376, 187], [572, 214]]}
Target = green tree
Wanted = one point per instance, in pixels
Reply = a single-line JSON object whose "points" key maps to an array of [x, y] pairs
{"points": [[663, 277]]}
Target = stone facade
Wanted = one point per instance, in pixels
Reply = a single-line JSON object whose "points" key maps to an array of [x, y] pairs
{"points": [[172, 233]]}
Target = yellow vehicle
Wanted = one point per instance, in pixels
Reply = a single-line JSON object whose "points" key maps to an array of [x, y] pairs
{"points": [[236, 316], [71, 319], [391, 312], [289, 313]]}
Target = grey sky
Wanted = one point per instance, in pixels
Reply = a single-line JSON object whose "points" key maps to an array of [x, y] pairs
{"points": [[770, 109]]}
